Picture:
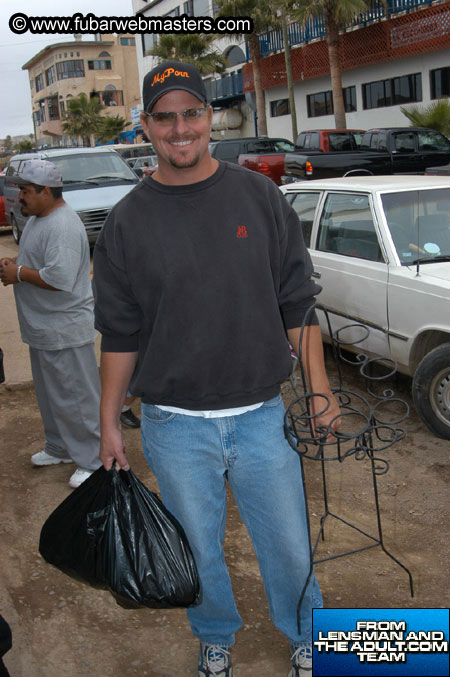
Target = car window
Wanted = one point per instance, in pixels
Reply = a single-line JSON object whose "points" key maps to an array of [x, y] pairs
{"points": [[429, 140], [404, 142], [282, 146], [305, 205], [79, 167], [314, 141], [226, 151], [12, 168], [346, 227], [300, 143], [374, 142], [341, 141], [382, 141], [2, 182], [419, 223]]}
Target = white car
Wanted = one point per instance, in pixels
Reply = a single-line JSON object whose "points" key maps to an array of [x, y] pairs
{"points": [[381, 252]]}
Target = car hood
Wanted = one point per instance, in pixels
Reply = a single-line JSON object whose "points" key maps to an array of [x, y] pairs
{"points": [[96, 197], [440, 270]]}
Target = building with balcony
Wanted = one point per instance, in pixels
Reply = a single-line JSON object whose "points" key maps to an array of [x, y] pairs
{"points": [[105, 67], [395, 54]]}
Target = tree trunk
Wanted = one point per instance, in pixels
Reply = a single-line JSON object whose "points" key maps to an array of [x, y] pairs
{"points": [[255, 55], [290, 82], [335, 72]]}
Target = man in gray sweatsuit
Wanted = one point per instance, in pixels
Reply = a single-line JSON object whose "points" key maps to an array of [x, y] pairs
{"points": [[51, 278]]}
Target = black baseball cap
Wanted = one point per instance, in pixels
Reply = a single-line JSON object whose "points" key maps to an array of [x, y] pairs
{"points": [[171, 75]]}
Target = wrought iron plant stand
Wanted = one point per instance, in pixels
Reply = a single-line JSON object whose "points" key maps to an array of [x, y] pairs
{"points": [[368, 428]]}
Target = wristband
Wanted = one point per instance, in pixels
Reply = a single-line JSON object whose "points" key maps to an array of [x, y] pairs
{"points": [[18, 274]]}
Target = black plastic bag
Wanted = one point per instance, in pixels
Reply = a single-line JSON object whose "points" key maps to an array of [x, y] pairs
{"points": [[114, 533]]}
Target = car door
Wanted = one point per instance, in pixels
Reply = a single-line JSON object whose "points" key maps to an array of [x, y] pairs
{"points": [[351, 270]]}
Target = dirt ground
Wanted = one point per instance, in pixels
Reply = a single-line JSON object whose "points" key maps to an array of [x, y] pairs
{"points": [[62, 628]]}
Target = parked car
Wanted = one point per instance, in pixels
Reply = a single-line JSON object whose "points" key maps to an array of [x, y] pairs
{"points": [[381, 252], [94, 179], [230, 149], [3, 221], [444, 170], [143, 166], [396, 150]]}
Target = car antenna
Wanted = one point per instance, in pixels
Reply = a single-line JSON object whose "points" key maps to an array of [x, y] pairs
{"points": [[418, 248]]}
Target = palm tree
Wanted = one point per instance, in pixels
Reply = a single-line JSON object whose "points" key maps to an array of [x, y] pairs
{"points": [[192, 48], [264, 18], [110, 127], [435, 116], [82, 117], [336, 14]]}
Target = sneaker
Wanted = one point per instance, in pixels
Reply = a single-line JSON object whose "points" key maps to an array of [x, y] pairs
{"points": [[214, 660], [129, 419], [301, 662], [42, 458], [78, 477]]}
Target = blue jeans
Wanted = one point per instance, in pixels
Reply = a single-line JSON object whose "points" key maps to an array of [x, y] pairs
{"points": [[191, 458]]}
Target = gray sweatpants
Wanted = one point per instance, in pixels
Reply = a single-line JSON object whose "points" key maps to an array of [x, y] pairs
{"points": [[67, 388]]}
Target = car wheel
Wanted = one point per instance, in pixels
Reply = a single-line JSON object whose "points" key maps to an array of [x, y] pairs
{"points": [[431, 390], [15, 229]]}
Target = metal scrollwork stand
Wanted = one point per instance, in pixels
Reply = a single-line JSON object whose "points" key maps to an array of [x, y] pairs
{"points": [[368, 428]]}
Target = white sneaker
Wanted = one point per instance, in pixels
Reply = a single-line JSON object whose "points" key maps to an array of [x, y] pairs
{"points": [[301, 662], [42, 458], [78, 477]]}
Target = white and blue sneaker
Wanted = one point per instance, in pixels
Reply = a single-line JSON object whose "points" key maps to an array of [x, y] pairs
{"points": [[214, 661], [301, 660]]}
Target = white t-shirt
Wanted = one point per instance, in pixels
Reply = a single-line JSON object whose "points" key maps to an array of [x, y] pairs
{"points": [[57, 246]]}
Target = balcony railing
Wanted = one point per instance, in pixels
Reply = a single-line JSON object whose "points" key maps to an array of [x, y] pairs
{"points": [[225, 88], [315, 28]]}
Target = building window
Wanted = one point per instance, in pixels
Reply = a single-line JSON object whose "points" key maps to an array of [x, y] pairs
{"points": [[174, 12], [39, 81], [349, 99], [109, 97], [127, 42], [322, 102], [188, 7], [99, 65], [70, 69], [37, 118], [279, 107], [440, 82], [42, 111], [50, 75], [62, 108], [392, 92], [149, 41], [53, 109]]}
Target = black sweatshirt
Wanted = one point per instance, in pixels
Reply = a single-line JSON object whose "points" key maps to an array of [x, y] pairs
{"points": [[203, 280]]}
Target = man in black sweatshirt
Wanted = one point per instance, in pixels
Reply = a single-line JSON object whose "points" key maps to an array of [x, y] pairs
{"points": [[201, 277]]}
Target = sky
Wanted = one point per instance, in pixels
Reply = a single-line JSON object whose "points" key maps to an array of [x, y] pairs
{"points": [[16, 50]]}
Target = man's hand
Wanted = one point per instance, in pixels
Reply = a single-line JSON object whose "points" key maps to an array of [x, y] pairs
{"points": [[8, 271], [112, 449], [329, 419]]}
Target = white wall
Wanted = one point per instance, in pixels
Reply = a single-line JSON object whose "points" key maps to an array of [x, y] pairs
{"points": [[389, 116]]}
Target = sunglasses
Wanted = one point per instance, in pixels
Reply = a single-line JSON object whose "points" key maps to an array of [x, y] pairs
{"points": [[169, 117]]}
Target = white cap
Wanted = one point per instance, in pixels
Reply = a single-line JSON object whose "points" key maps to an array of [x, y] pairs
{"points": [[40, 172]]}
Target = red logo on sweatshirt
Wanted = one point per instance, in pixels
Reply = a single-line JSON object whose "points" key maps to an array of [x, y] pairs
{"points": [[242, 231]]}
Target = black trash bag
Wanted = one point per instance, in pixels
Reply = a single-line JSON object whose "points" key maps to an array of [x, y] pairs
{"points": [[114, 533]]}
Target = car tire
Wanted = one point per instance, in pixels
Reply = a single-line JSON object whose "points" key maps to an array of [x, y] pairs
{"points": [[431, 390], [15, 229]]}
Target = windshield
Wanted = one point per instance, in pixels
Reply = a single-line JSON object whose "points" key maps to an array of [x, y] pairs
{"points": [[82, 167], [419, 221], [283, 146]]}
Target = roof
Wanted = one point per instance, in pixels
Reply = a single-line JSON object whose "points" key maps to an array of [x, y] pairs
{"points": [[59, 45], [375, 183]]}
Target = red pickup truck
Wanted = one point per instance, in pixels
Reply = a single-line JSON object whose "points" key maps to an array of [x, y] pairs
{"points": [[315, 140]]}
